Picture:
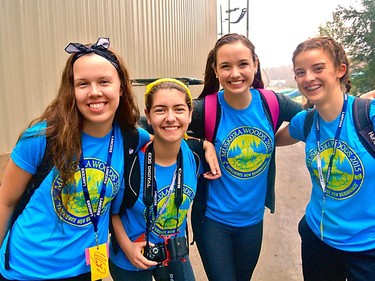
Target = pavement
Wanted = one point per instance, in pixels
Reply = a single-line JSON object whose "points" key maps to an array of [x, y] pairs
{"points": [[280, 256]]}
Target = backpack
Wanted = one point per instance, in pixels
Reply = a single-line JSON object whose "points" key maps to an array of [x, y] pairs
{"points": [[212, 115], [363, 125], [130, 141]]}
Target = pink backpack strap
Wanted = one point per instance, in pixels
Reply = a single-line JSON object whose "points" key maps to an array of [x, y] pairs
{"points": [[273, 105], [210, 110]]}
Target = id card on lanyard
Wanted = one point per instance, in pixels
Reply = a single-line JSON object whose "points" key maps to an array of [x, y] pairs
{"points": [[324, 182], [97, 256]]}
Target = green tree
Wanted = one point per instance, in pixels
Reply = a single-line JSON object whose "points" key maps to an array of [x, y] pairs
{"points": [[355, 29]]}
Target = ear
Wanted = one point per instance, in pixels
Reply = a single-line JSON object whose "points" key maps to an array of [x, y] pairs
{"points": [[147, 116], [342, 69]]}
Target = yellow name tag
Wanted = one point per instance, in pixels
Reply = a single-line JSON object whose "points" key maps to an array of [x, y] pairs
{"points": [[98, 259]]}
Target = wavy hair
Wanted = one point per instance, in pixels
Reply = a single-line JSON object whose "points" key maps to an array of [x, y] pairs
{"points": [[64, 120], [336, 53]]}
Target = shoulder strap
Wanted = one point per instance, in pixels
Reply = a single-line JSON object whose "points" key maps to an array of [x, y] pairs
{"points": [[42, 171], [272, 106], [210, 115], [132, 173], [363, 124], [308, 123]]}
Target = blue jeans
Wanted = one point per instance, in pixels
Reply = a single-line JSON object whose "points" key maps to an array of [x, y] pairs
{"points": [[230, 253], [176, 270], [321, 262]]}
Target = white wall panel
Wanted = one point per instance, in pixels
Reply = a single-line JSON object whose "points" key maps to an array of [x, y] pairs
{"points": [[157, 38]]}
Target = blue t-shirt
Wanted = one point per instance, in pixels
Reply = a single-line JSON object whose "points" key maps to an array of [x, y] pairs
{"points": [[244, 144], [167, 221], [45, 245], [349, 209]]}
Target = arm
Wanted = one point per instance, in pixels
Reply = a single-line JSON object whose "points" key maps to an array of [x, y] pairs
{"points": [[13, 186], [288, 108], [132, 250], [283, 137], [369, 95], [203, 146], [211, 158]]}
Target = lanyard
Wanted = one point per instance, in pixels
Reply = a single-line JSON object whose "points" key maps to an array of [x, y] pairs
{"points": [[150, 197], [324, 182], [94, 217]]}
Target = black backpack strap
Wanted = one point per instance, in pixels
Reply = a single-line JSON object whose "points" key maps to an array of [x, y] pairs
{"points": [[308, 123], [42, 171], [363, 124], [132, 177], [132, 173]]}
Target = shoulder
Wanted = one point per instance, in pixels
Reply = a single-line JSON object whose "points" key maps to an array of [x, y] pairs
{"points": [[296, 127], [30, 148]]}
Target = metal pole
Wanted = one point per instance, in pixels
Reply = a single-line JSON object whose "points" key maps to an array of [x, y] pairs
{"points": [[247, 19], [228, 16], [221, 20]]}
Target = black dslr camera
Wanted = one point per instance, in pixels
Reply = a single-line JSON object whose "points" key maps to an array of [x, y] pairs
{"points": [[156, 253]]}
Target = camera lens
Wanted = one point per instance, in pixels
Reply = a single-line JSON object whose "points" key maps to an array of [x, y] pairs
{"points": [[155, 250]]}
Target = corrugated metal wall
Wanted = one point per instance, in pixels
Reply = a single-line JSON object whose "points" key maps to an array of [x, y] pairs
{"points": [[157, 38]]}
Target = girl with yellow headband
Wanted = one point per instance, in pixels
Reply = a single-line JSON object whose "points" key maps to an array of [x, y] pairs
{"points": [[151, 233]]}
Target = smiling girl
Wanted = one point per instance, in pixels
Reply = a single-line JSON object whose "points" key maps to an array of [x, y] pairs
{"points": [[337, 231], [169, 172], [68, 214]]}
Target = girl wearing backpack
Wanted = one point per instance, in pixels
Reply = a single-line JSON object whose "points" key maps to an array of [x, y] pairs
{"points": [[64, 226], [151, 232], [227, 214], [337, 231]]}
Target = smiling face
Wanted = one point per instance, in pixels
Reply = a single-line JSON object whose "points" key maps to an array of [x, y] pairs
{"points": [[317, 77], [235, 68], [97, 93], [169, 115]]}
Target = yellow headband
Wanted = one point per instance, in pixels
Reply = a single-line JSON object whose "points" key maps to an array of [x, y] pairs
{"points": [[159, 81]]}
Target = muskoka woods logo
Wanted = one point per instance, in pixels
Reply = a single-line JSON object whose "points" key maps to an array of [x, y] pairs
{"points": [[71, 205]]}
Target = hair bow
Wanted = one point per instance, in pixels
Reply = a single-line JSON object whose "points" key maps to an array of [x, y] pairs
{"points": [[100, 48]]}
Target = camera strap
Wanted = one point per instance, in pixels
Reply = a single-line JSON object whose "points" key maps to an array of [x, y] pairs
{"points": [[150, 198]]}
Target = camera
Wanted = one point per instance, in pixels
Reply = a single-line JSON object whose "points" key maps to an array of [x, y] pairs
{"points": [[156, 253]]}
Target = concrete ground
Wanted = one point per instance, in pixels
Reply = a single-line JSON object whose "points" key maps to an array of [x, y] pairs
{"points": [[280, 256]]}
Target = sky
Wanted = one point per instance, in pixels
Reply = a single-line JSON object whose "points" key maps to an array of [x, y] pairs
{"points": [[276, 27]]}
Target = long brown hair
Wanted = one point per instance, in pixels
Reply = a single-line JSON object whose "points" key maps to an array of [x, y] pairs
{"points": [[64, 121]]}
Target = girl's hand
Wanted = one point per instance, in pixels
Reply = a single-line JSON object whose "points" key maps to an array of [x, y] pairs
{"points": [[134, 252], [211, 158]]}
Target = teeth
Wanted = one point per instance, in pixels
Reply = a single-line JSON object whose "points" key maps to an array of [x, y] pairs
{"points": [[236, 82], [96, 105], [170, 128], [312, 88]]}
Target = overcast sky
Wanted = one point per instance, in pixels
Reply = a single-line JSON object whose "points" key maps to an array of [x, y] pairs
{"points": [[276, 27]]}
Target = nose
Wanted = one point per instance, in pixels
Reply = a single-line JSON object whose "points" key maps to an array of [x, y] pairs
{"points": [[95, 91], [171, 117], [310, 75], [235, 72]]}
